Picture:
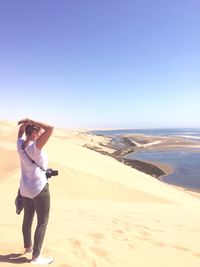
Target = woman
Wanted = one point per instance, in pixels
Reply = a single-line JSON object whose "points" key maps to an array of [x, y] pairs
{"points": [[34, 187]]}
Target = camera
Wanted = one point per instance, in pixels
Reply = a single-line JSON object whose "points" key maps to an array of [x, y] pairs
{"points": [[51, 172]]}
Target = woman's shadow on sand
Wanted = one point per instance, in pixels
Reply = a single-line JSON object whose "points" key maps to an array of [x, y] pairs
{"points": [[14, 258]]}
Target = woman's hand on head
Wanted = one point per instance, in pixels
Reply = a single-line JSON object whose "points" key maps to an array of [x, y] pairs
{"points": [[43, 138], [25, 121]]}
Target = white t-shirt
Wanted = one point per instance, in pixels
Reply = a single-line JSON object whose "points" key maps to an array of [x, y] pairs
{"points": [[33, 179]]}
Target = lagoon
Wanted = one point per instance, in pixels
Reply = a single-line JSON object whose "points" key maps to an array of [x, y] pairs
{"points": [[186, 163]]}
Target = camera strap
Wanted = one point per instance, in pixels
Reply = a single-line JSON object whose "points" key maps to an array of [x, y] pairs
{"points": [[33, 161]]}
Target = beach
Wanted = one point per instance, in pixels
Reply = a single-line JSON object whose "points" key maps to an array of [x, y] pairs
{"points": [[124, 147], [104, 213]]}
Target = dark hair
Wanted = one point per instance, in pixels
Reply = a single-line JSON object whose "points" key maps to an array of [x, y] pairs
{"points": [[31, 128]]}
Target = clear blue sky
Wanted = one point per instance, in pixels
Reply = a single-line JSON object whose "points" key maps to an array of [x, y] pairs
{"points": [[101, 64]]}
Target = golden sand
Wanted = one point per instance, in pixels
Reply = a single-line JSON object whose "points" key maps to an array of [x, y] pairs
{"points": [[103, 213]]}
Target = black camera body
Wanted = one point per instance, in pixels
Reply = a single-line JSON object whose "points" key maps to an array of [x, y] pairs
{"points": [[51, 172]]}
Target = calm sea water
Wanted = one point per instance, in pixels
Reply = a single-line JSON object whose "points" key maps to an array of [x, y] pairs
{"points": [[186, 163]]}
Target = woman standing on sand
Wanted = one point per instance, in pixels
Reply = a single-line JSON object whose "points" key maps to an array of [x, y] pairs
{"points": [[34, 187]]}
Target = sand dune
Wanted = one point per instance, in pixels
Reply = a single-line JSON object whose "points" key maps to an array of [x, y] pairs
{"points": [[103, 212]]}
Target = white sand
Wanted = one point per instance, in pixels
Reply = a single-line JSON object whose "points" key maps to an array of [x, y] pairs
{"points": [[103, 212]]}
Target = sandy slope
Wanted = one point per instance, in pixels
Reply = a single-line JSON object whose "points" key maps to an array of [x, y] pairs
{"points": [[103, 212]]}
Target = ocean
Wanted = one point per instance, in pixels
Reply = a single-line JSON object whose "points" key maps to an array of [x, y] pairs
{"points": [[186, 163]]}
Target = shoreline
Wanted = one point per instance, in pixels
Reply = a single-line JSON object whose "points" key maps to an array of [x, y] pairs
{"points": [[120, 146], [155, 169]]}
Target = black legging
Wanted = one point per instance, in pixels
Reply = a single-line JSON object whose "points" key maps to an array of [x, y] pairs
{"points": [[40, 204]]}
